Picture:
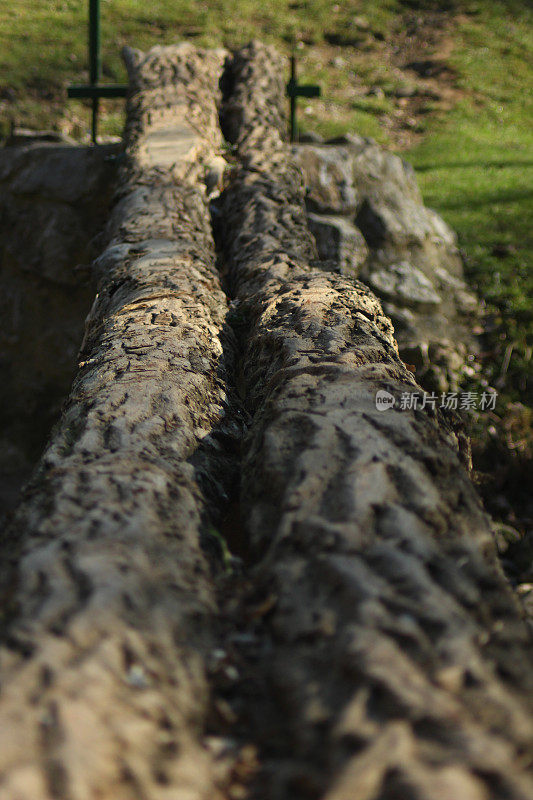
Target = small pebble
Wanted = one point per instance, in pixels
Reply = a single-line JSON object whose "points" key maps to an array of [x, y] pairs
{"points": [[137, 677]]}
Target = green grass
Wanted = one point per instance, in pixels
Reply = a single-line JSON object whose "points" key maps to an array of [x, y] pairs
{"points": [[476, 168], [485, 193], [43, 47]]}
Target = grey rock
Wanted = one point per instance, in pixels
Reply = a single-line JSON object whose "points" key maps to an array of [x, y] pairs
{"points": [[339, 62], [57, 172], [338, 241], [427, 298], [328, 178], [406, 285], [21, 137], [311, 137], [54, 200]]}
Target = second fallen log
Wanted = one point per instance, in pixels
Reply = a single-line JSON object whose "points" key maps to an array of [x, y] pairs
{"points": [[399, 664], [112, 611]]}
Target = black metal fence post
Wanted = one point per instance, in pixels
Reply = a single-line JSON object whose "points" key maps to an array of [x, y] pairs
{"points": [[94, 90], [295, 90], [95, 61]]}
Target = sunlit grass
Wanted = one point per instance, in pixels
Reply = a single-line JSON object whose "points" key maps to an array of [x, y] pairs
{"points": [[476, 168]]}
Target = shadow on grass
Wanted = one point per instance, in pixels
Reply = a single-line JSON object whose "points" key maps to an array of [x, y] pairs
{"points": [[496, 198], [498, 164]]}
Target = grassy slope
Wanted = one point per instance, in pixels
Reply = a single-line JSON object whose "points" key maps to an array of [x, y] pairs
{"points": [[474, 154], [476, 168], [43, 48]]}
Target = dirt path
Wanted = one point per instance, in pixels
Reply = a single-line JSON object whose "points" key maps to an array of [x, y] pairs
{"points": [[422, 52], [414, 57]]}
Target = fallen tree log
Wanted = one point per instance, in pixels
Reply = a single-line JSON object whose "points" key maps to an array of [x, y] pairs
{"points": [[395, 660], [108, 602], [398, 662]]}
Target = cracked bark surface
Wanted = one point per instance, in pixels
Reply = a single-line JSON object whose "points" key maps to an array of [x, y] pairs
{"points": [[108, 601], [396, 661], [390, 658]]}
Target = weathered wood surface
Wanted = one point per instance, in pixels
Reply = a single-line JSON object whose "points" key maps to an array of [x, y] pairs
{"points": [[103, 691], [387, 655], [398, 662]]}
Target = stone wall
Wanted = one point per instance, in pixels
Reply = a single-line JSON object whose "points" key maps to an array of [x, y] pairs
{"points": [[54, 200], [366, 212]]}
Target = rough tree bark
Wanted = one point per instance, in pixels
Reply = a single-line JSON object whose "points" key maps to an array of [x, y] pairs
{"points": [[396, 660], [107, 599], [399, 665]]}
